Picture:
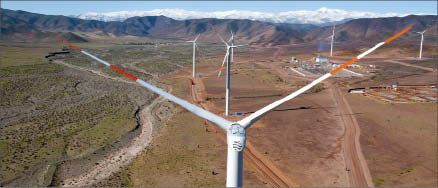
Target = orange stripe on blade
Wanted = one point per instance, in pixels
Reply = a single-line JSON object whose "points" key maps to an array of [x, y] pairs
{"points": [[124, 73], [398, 34], [343, 66], [68, 44], [355, 59]]}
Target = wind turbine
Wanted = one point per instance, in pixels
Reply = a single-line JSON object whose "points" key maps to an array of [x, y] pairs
{"points": [[331, 44], [228, 59], [194, 55], [232, 44], [236, 135], [421, 43]]}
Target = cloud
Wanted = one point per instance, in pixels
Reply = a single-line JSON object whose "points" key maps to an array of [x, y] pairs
{"points": [[318, 16]]}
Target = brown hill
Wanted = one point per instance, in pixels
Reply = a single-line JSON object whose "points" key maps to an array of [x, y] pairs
{"points": [[376, 29], [246, 31]]}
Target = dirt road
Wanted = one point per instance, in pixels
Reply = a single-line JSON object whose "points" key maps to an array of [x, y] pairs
{"points": [[396, 61], [356, 166]]}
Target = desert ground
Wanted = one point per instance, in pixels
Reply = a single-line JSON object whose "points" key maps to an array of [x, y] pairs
{"points": [[67, 121]]}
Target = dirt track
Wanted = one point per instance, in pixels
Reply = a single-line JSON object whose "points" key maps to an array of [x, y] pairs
{"points": [[410, 65], [356, 166]]}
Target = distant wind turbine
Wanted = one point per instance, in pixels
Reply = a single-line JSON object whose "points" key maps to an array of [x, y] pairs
{"points": [[236, 134], [194, 55], [228, 59], [232, 44], [331, 45], [421, 43]]}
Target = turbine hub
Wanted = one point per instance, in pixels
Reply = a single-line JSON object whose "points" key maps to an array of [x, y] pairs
{"points": [[236, 137]]}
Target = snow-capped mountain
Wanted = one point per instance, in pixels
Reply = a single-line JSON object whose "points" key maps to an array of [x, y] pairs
{"points": [[320, 16]]}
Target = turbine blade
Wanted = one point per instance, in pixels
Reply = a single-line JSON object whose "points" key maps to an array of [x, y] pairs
{"points": [[196, 38], [222, 39], [248, 121], [235, 46], [223, 63], [219, 121]]}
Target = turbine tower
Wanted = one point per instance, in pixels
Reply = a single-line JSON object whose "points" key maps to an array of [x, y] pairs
{"points": [[421, 43], [232, 44], [194, 55], [331, 44], [227, 82], [236, 135]]}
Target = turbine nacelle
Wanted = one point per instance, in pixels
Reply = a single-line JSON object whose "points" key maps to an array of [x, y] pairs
{"points": [[236, 137]]}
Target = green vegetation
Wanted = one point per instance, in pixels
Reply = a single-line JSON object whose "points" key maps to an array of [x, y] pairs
{"points": [[378, 182], [19, 91], [101, 134], [26, 70], [24, 54], [408, 170], [63, 134]]}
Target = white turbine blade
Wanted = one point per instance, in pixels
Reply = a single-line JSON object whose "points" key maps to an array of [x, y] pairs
{"points": [[248, 121], [222, 40], [219, 121], [333, 32], [196, 38], [223, 63], [232, 36], [235, 46]]}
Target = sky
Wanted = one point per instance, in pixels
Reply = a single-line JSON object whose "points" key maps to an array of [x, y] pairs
{"points": [[79, 7]]}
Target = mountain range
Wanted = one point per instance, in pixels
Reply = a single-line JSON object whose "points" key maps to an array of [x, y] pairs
{"points": [[322, 16], [17, 23]]}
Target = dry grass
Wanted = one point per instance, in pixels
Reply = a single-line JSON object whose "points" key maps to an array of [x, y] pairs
{"points": [[398, 141], [185, 152]]}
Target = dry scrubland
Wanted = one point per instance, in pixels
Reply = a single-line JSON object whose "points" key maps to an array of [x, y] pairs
{"points": [[53, 116], [398, 141], [57, 120]]}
